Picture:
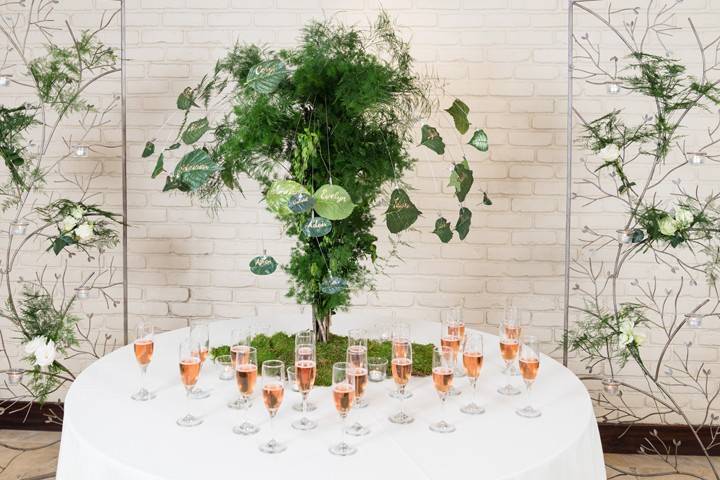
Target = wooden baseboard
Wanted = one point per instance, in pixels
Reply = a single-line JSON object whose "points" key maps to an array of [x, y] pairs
{"points": [[618, 438], [31, 416]]}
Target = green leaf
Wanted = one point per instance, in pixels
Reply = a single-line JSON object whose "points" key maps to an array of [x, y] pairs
{"points": [[279, 193], [443, 230], [486, 199], [61, 242], [333, 202], [174, 146], [463, 223], [195, 131], [185, 99], [263, 265], [159, 166], [461, 179], [266, 76], [432, 139], [479, 140], [194, 169], [459, 111], [401, 212], [148, 150]]}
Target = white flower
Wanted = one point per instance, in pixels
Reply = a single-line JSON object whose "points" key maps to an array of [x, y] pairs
{"points": [[683, 218], [667, 226], [609, 153], [77, 212], [67, 224], [34, 344], [85, 232], [45, 354], [628, 336]]}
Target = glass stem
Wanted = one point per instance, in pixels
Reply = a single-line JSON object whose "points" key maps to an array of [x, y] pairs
{"points": [[303, 404], [442, 406], [188, 391], [272, 429], [529, 396], [402, 398], [143, 372], [342, 429], [475, 390]]}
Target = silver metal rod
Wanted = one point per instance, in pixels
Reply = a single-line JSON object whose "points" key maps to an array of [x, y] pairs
{"points": [[568, 179], [123, 128]]}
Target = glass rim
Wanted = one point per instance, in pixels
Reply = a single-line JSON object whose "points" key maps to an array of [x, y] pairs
{"points": [[377, 360]]}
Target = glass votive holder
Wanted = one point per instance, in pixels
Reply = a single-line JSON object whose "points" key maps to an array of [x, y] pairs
{"points": [[4, 80], [18, 228], [377, 369], [82, 293], [696, 158], [292, 378], [613, 88], [80, 150], [625, 235], [226, 368], [611, 386], [694, 320], [15, 375]]}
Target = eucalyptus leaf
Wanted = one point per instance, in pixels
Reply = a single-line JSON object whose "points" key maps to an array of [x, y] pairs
{"points": [[486, 199], [280, 192], [266, 76], [459, 111], [194, 169], [479, 140], [195, 130], [148, 150], [432, 139], [185, 99], [263, 265], [332, 285], [461, 179], [401, 212], [301, 202], [317, 227], [333, 202], [463, 223], [443, 230], [159, 166]]}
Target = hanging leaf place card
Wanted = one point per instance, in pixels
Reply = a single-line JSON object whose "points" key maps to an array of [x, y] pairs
{"points": [[263, 265], [317, 227], [265, 77], [148, 150], [479, 140], [194, 169], [279, 194], [300, 202], [195, 130], [185, 99], [443, 230], [459, 111], [463, 223], [333, 202], [486, 199], [432, 139], [332, 285], [401, 212], [461, 179]]}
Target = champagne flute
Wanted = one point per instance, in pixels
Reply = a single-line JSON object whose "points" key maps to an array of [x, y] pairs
{"points": [[200, 335], [305, 372], [143, 347], [357, 368], [189, 371], [273, 381], [245, 377], [401, 366], [357, 356], [509, 346], [452, 333], [513, 329], [443, 370], [240, 339], [344, 397], [472, 356], [529, 366], [305, 337], [400, 335]]}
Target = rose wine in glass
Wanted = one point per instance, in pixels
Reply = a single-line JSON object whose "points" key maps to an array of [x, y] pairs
{"points": [[401, 367], [189, 363], [343, 390], [513, 331], [509, 348], [399, 338], [357, 360], [144, 346], [472, 359], [529, 366], [305, 372], [452, 335], [246, 373], [273, 391], [200, 335], [305, 350], [240, 339], [443, 371]]}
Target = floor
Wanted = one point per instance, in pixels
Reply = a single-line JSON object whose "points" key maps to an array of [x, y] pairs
{"points": [[39, 463]]}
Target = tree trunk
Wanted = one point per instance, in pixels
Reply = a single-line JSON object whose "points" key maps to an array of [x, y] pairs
{"points": [[321, 324]]}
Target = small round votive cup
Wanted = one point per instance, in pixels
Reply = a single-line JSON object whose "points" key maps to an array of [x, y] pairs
{"points": [[15, 375], [377, 369], [226, 368], [292, 378]]}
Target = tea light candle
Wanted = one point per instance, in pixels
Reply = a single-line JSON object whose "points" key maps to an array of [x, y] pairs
{"points": [[14, 376], [82, 293], [697, 158], [4, 80], [625, 235], [80, 150], [611, 386], [613, 88], [694, 320], [18, 228]]}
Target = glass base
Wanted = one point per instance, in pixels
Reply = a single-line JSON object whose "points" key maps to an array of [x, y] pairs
{"points": [[237, 404], [309, 407], [360, 403], [199, 394], [245, 428], [343, 449], [304, 424], [401, 418], [442, 427], [405, 395], [273, 446], [142, 395], [528, 412], [473, 409], [189, 421], [508, 390], [357, 430], [454, 392]]}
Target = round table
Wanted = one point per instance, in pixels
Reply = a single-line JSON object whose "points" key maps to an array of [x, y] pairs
{"points": [[108, 436]]}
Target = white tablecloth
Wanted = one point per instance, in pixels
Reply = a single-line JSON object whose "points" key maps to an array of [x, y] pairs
{"points": [[107, 436]]}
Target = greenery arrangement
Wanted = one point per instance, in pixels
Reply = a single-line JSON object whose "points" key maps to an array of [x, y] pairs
{"points": [[635, 162], [325, 129], [281, 346]]}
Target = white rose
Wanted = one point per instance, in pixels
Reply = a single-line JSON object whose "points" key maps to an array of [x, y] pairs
{"points": [[45, 354], [683, 218], [667, 226], [34, 344], [85, 232], [67, 224], [77, 212], [627, 336], [609, 153]]}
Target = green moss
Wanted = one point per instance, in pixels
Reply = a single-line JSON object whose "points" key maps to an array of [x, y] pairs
{"points": [[281, 346]]}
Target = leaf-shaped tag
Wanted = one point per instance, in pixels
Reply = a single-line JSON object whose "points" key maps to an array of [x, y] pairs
{"points": [[463, 223], [174, 146], [459, 112], [301, 202], [148, 150], [332, 285], [195, 130], [479, 140], [317, 227], [194, 169], [159, 166], [266, 76], [486, 199], [280, 192], [461, 179], [432, 139], [185, 99], [333, 202], [443, 230], [401, 212], [263, 265]]}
